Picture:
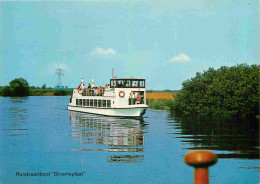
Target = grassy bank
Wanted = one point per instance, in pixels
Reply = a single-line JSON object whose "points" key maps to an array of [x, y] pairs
{"points": [[50, 92], [44, 92], [160, 104], [160, 100]]}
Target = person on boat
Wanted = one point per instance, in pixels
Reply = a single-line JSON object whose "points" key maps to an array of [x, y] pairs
{"points": [[138, 98], [99, 91], [134, 98], [130, 99], [89, 86], [134, 84]]}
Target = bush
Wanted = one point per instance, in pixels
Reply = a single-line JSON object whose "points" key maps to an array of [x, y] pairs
{"points": [[60, 92], [49, 92], [18, 87], [228, 92], [7, 91], [38, 92]]}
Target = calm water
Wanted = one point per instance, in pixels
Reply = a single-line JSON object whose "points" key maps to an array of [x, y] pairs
{"points": [[38, 134]]}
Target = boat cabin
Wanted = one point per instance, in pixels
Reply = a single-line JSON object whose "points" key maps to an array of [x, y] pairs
{"points": [[127, 83]]}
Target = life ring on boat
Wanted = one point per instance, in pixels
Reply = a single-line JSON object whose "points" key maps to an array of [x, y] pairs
{"points": [[121, 94]]}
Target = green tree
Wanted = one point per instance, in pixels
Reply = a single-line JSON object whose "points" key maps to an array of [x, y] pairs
{"points": [[44, 86], [19, 86], [7, 91], [228, 91]]}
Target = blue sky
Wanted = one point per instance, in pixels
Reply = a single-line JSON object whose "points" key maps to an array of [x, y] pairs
{"points": [[164, 41]]}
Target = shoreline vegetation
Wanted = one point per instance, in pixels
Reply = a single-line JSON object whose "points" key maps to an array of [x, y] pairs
{"points": [[42, 92], [228, 92], [50, 92], [160, 100]]}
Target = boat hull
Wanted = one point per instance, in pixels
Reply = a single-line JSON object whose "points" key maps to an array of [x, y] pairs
{"points": [[120, 112]]}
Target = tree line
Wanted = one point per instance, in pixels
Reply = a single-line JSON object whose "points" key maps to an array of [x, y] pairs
{"points": [[227, 92], [20, 87]]}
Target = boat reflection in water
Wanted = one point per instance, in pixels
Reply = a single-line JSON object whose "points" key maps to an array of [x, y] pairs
{"points": [[124, 137]]}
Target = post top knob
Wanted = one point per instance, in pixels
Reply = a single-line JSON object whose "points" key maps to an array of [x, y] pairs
{"points": [[200, 158]]}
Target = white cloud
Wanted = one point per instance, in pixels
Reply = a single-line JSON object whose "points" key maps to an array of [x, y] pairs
{"points": [[181, 58], [103, 52]]}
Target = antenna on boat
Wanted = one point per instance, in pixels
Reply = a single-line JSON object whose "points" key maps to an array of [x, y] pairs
{"points": [[112, 73], [93, 83], [82, 83]]}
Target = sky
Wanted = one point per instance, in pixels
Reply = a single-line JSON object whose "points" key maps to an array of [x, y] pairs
{"points": [[164, 41]]}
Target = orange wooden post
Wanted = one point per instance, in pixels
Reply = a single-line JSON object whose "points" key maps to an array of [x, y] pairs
{"points": [[201, 160]]}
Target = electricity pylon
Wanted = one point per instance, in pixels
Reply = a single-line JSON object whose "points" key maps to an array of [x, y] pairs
{"points": [[59, 73]]}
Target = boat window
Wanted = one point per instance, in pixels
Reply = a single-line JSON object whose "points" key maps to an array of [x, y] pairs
{"points": [[127, 83], [77, 101], [135, 83], [87, 102], [80, 102], [104, 103], [91, 103], [95, 103], [84, 102], [141, 83], [109, 103], [112, 83], [99, 103], [121, 83]]}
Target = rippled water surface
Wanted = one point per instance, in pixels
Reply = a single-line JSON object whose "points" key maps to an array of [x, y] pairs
{"points": [[39, 134]]}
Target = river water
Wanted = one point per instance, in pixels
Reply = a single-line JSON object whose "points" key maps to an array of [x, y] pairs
{"points": [[39, 134]]}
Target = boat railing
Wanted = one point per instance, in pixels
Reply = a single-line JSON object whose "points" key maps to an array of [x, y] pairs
{"points": [[100, 92], [93, 92]]}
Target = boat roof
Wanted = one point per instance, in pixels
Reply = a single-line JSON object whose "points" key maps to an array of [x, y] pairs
{"points": [[127, 79]]}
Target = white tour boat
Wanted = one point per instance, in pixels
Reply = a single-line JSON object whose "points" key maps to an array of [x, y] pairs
{"points": [[122, 97]]}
